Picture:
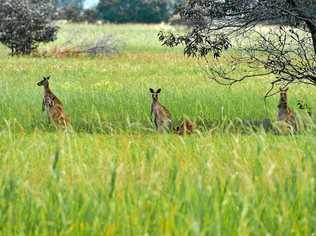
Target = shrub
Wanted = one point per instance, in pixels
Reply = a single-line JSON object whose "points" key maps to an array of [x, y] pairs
{"points": [[25, 24]]}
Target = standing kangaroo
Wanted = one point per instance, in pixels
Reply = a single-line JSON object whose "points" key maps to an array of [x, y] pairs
{"points": [[53, 105], [286, 114], [162, 117]]}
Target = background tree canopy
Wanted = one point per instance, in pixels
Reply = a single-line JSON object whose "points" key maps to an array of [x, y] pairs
{"points": [[117, 11], [147, 11], [76, 3]]}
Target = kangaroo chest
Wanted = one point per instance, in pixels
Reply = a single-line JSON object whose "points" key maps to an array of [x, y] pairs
{"points": [[284, 114], [49, 101], [159, 112], [155, 108]]}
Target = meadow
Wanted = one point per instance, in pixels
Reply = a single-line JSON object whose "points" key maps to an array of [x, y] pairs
{"points": [[112, 174]]}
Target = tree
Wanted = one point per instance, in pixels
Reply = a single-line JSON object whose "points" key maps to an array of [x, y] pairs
{"points": [[70, 13], [25, 24], [90, 15], [147, 11], [71, 10], [287, 51], [64, 3]]}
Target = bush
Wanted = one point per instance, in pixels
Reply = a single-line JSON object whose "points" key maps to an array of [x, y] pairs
{"points": [[26, 23], [146, 11]]}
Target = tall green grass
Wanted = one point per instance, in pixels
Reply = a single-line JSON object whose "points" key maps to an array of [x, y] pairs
{"points": [[157, 184], [111, 174]]}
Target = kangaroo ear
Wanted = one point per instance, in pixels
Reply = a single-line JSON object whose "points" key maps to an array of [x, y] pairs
{"points": [[48, 77], [151, 90], [159, 90]]}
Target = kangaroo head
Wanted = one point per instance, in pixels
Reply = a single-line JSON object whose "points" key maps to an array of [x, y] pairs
{"points": [[44, 82], [283, 95], [155, 95]]}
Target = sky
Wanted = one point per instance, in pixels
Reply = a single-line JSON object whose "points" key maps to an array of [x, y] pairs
{"points": [[90, 3]]}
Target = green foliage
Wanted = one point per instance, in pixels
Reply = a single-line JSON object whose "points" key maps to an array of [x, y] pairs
{"points": [[25, 24], [134, 10]]}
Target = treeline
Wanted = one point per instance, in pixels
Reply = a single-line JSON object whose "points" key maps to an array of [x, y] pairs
{"points": [[24, 24], [118, 11]]}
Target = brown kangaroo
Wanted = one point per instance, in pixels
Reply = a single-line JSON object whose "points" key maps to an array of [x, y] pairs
{"points": [[162, 117], [186, 127], [53, 105], [286, 114]]}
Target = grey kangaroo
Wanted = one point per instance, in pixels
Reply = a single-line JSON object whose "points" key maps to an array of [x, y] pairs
{"points": [[161, 115], [53, 105], [286, 114]]}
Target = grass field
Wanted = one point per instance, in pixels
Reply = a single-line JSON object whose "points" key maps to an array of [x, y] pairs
{"points": [[112, 174]]}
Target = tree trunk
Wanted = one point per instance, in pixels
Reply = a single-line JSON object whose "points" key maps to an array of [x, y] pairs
{"points": [[311, 24], [312, 29]]}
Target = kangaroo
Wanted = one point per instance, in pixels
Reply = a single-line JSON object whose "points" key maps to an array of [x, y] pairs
{"points": [[285, 114], [52, 105], [162, 117], [186, 127]]}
